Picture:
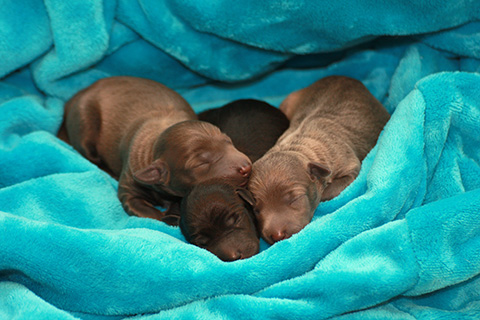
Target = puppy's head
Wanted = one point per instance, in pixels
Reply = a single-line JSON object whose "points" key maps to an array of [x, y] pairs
{"points": [[287, 189], [218, 216], [190, 152]]}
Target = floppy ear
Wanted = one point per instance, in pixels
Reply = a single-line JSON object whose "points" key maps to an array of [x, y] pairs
{"points": [[156, 172], [318, 171], [246, 196]]}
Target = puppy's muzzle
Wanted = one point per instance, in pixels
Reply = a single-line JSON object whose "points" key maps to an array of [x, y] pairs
{"points": [[245, 171], [240, 253]]}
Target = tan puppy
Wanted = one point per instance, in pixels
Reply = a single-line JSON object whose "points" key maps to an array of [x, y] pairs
{"points": [[333, 125], [146, 135]]}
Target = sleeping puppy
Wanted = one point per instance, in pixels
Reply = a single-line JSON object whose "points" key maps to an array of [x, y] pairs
{"points": [[218, 216], [333, 125], [147, 136], [253, 125]]}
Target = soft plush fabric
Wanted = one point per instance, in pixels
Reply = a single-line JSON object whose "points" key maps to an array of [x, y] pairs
{"points": [[401, 242]]}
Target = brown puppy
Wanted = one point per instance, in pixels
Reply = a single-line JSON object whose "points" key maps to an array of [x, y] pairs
{"points": [[146, 135], [253, 125], [218, 216], [333, 125]]}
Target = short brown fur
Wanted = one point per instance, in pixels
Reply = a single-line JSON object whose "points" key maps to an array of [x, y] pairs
{"points": [[147, 136], [334, 123]]}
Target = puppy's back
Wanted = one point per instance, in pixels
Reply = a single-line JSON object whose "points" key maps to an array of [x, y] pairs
{"points": [[125, 99], [98, 117], [253, 125], [340, 106]]}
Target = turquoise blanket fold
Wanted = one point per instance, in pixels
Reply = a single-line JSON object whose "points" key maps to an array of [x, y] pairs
{"points": [[401, 242]]}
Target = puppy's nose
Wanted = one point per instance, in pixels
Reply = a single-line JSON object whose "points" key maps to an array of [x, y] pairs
{"points": [[278, 235], [234, 255], [245, 170]]}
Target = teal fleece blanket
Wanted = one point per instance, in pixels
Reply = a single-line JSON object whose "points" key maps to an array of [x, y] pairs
{"points": [[401, 242]]}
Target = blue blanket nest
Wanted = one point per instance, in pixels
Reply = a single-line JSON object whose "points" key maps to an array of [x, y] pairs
{"points": [[401, 242]]}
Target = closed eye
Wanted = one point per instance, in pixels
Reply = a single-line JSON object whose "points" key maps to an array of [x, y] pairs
{"points": [[202, 164], [201, 159], [232, 219], [202, 241], [296, 199]]}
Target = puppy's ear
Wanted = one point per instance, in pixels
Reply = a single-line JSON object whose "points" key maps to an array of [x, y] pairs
{"points": [[156, 172], [318, 171], [246, 196]]}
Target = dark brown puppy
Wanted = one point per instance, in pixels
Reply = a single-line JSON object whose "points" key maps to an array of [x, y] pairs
{"points": [[333, 125], [146, 135], [218, 216], [253, 125], [215, 215]]}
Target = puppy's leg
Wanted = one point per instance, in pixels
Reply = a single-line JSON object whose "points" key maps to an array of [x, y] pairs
{"points": [[336, 187], [83, 122], [172, 214], [343, 179], [138, 204]]}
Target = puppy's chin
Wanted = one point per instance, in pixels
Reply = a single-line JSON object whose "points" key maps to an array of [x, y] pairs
{"points": [[239, 182]]}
